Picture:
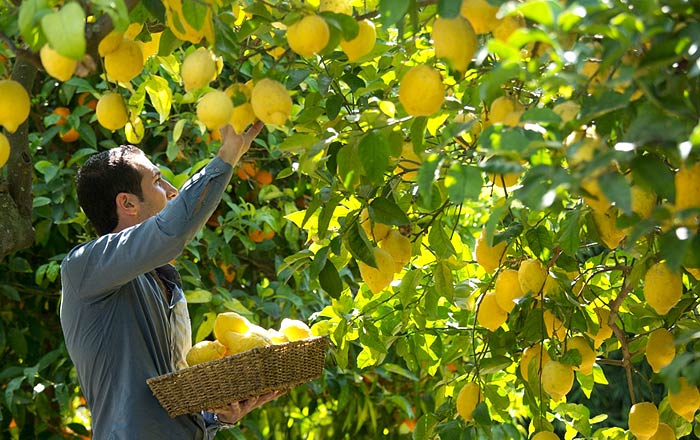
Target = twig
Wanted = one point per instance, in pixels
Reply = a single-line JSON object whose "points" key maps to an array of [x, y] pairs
{"points": [[624, 346]]}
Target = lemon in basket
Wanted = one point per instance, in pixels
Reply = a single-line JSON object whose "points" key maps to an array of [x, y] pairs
{"points": [[205, 351], [230, 322], [236, 342], [295, 330]]}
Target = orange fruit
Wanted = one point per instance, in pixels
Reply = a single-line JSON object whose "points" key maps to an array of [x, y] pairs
{"points": [[87, 100], [246, 170], [72, 134], [263, 177]]}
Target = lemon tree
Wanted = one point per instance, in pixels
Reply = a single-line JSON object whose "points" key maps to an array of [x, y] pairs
{"points": [[494, 193]]}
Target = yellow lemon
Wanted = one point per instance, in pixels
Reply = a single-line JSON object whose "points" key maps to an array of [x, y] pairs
{"points": [[687, 182], [536, 354], [110, 43], [362, 44], [271, 102], [205, 351], [14, 104], [545, 435], [662, 287], [133, 30], [124, 63], [455, 41], [604, 330], [214, 109], [242, 117], [587, 354], [57, 65], [295, 330], [506, 180], [309, 35], [421, 91], [507, 289], [605, 223], [489, 257], [375, 231], [230, 322], [502, 108], [378, 278], [553, 325], [643, 420], [507, 26], [686, 400], [557, 379], [111, 111], [409, 163], [567, 111], [4, 150], [198, 69], [239, 342], [532, 275], [643, 201], [593, 195], [481, 14], [276, 337], [337, 6], [399, 247], [490, 315], [664, 432], [468, 398], [660, 349]]}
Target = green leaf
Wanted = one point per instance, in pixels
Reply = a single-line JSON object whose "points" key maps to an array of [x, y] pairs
{"points": [[449, 8], [358, 245], [195, 13], [29, 17], [326, 215], [198, 296], [333, 105], [541, 11], [444, 282], [117, 11], [569, 233], [408, 292], [494, 364], [617, 190], [375, 151], [463, 182], [386, 211], [391, 11], [298, 142], [330, 280], [426, 177], [440, 242], [540, 242], [161, 96], [65, 30], [651, 171]]}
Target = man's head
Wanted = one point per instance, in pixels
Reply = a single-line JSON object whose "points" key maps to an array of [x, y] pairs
{"points": [[120, 187]]}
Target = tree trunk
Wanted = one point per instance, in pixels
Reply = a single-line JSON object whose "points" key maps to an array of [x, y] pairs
{"points": [[16, 230]]}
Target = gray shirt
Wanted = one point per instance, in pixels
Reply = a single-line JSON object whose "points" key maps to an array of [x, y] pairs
{"points": [[116, 318]]}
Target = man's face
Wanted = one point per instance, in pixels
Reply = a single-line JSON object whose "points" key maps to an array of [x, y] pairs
{"points": [[156, 190]]}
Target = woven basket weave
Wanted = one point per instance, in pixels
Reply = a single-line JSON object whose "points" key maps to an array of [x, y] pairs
{"points": [[249, 374]]}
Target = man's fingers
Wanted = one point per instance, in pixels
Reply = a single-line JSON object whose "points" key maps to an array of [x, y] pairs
{"points": [[254, 131]]}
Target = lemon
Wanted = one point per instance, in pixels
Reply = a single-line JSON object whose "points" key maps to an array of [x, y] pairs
{"points": [[4, 150], [567, 111], [557, 379], [480, 14], [111, 111], [545, 435], [125, 62], [198, 69], [585, 151], [662, 288], [375, 231], [664, 432], [605, 223], [295, 330], [242, 116], [532, 275], [593, 195], [490, 315], [409, 163], [687, 187], [276, 337], [660, 349], [239, 342], [362, 44], [399, 247], [230, 322], [214, 109], [14, 104], [271, 102], [533, 353], [604, 330], [377, 279], [421, 91], [455, 41], [337, 6], [489, 257], [643, 201], [205, 351], [686, 400], [309, 35], [501, 108], [57, 65], [507, 289], [467, 399], [507, 26], [506, 180], [110, 42], [587, 354], [643, 420], [553, 325], [133, 30]]}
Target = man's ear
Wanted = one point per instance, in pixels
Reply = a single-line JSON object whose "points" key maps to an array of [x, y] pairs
{"points": [[126, 204]]}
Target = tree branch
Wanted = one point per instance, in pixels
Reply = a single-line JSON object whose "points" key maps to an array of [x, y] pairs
{"points": [[624, 346]]}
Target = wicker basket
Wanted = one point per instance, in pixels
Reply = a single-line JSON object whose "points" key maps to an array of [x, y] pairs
{"points": [[221, 382]]}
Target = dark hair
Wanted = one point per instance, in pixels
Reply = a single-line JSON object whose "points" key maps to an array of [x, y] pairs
{"points": [[101, 178]]}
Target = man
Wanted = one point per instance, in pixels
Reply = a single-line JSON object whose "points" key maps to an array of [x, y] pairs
{"points": [[123, 311]]}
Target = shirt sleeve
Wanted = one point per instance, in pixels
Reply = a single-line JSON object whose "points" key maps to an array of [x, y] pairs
{"points": [[102, 265]]}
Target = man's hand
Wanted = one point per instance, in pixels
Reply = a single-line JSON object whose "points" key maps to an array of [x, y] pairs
{"points": [[235, 145], [237, 410]]}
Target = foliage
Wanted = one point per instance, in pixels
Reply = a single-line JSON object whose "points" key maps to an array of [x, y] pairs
{"points": [[400, 356]]}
